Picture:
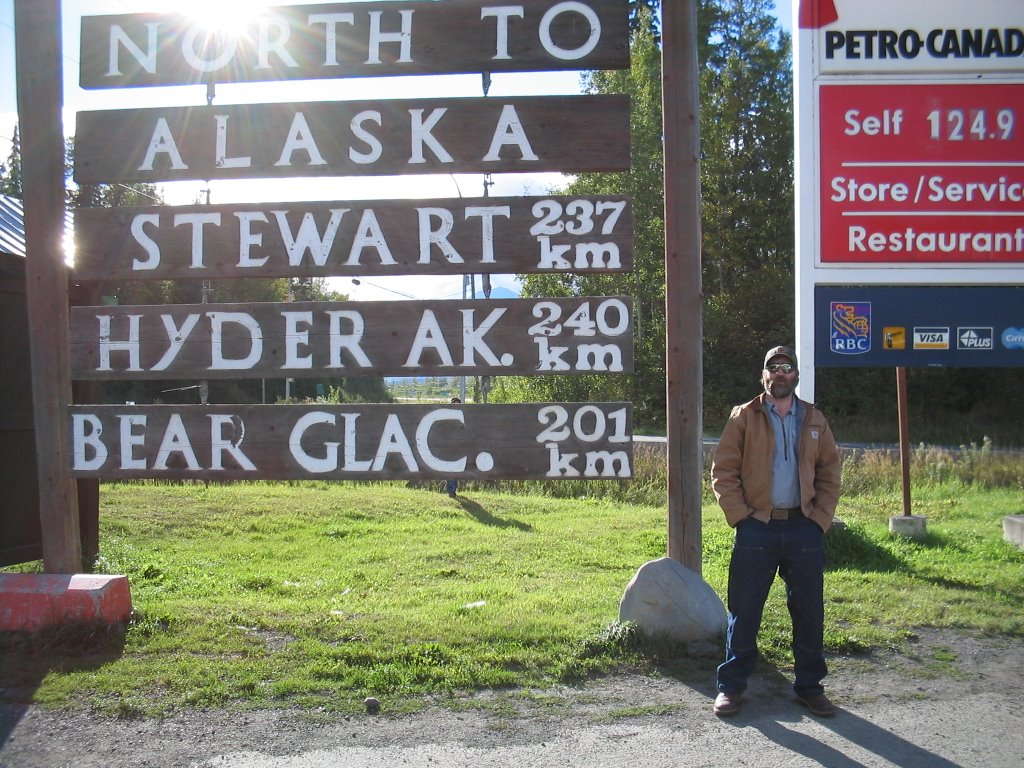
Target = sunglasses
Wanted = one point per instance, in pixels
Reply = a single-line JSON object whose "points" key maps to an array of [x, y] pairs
{"points": [[780, 368]]}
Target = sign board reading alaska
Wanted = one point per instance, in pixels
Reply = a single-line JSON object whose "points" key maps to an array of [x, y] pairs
{"points": [[332, 40], [354, 138]]}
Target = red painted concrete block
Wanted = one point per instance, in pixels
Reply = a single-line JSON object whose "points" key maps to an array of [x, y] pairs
{"points": [[32, 601]]}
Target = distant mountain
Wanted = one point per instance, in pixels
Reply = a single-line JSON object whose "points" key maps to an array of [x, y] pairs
{"points": [[499, 293]]}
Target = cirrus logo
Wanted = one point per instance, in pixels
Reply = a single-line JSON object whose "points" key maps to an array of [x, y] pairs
{"points": [[1013, 338]]}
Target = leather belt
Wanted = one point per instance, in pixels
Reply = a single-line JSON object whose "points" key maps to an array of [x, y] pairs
{"points": [[786, 513]]}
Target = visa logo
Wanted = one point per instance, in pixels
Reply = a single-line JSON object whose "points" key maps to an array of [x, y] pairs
{"points": [[931, 338]]}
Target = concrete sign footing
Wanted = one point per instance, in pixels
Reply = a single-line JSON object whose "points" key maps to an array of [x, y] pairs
{"points": [[30, 602], [1013, 530], [909, 526]]}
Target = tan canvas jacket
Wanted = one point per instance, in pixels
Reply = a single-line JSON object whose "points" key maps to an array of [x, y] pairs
{"points": [[741, 475]]}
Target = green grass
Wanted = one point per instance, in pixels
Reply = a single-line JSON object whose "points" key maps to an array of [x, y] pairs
{"points": [[316, 595]]}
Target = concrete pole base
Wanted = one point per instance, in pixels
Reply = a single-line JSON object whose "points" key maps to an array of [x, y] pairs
{"points": [[909, 526], [30, 602], [1013, 530]]}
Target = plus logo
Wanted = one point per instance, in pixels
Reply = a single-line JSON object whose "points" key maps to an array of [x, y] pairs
{"points": [[975, 338]]}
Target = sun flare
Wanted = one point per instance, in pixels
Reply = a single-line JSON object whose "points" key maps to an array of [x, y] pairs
{"points": [[223, 16]]}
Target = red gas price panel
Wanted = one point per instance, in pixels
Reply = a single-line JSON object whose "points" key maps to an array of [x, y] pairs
{"points": [[922, 174]]}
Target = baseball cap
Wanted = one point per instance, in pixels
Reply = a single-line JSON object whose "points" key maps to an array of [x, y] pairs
{"points": [[781, 352]]}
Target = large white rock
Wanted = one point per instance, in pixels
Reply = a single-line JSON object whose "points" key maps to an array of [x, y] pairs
{"points": [[665, 598]]}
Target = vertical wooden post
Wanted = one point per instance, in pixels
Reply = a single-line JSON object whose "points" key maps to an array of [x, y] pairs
{"points": [[683, 292], [901, 408], [37, 25]]}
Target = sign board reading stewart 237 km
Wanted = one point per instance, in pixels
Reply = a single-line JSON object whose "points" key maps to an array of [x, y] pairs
{"points": [[333, 40], [505, 235]]}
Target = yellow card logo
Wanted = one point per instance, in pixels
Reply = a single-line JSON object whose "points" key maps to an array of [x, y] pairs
{"points": [[894, 337]]}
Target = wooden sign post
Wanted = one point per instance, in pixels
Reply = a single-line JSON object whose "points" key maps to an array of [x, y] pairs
{"points": [[683, 293], [311, 339], [40, 98]]}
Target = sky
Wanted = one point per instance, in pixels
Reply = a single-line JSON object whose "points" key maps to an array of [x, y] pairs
{"points": [[183, 193]]}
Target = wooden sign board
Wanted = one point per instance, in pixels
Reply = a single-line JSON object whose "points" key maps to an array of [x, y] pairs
{"points": [[502, 235], [354, 138], [341, 442], [315, 339], [332, 40]]}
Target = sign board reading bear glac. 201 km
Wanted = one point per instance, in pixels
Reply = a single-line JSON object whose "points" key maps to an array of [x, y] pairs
{"points": [[342, 442], [333, 40]]}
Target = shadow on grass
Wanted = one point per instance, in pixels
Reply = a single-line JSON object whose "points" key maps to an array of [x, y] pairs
{"points": [[27, 658], [850, 548], [481, 515]]}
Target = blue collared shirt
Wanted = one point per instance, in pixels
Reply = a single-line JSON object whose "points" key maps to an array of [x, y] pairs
{"points": [[785, 465]]}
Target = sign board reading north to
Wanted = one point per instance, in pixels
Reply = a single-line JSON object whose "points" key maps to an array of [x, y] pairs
{"points": [[507, 235], [333, 40], [354, 138], [309, 339], [342, 442]]}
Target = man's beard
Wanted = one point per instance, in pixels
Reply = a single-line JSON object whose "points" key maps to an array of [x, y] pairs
{"points": [[779, 388]]}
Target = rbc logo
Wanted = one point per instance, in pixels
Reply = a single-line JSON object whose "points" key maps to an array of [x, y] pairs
{"points": [[850, 330]]}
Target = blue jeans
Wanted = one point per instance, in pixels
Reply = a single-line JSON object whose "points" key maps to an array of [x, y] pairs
{"points": [[795, 549]]}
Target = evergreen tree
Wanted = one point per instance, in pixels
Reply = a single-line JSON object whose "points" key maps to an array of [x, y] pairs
{"points": [[746, 176], [644, 182], [10, 172], [747, 191]]}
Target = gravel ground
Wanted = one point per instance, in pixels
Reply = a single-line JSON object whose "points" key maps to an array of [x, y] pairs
{"points": [[952, 700]]}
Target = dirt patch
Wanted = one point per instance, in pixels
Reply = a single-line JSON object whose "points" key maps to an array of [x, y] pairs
{"points": [[939, 666]]}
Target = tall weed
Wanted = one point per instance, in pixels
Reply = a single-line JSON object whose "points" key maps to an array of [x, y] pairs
{"points": [[865, 471]]}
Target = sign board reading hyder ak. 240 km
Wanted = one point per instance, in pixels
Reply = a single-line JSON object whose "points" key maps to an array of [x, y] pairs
{"points": [[380, 338]]}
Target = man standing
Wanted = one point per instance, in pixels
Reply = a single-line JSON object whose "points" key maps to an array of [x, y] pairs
{"points": [[776, 477]]}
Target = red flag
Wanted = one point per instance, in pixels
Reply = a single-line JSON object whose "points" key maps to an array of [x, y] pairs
{"points": [[815, 14]]}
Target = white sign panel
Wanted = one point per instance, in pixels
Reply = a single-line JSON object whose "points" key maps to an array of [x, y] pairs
{"points": [[930, 36], [909, 149]]}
